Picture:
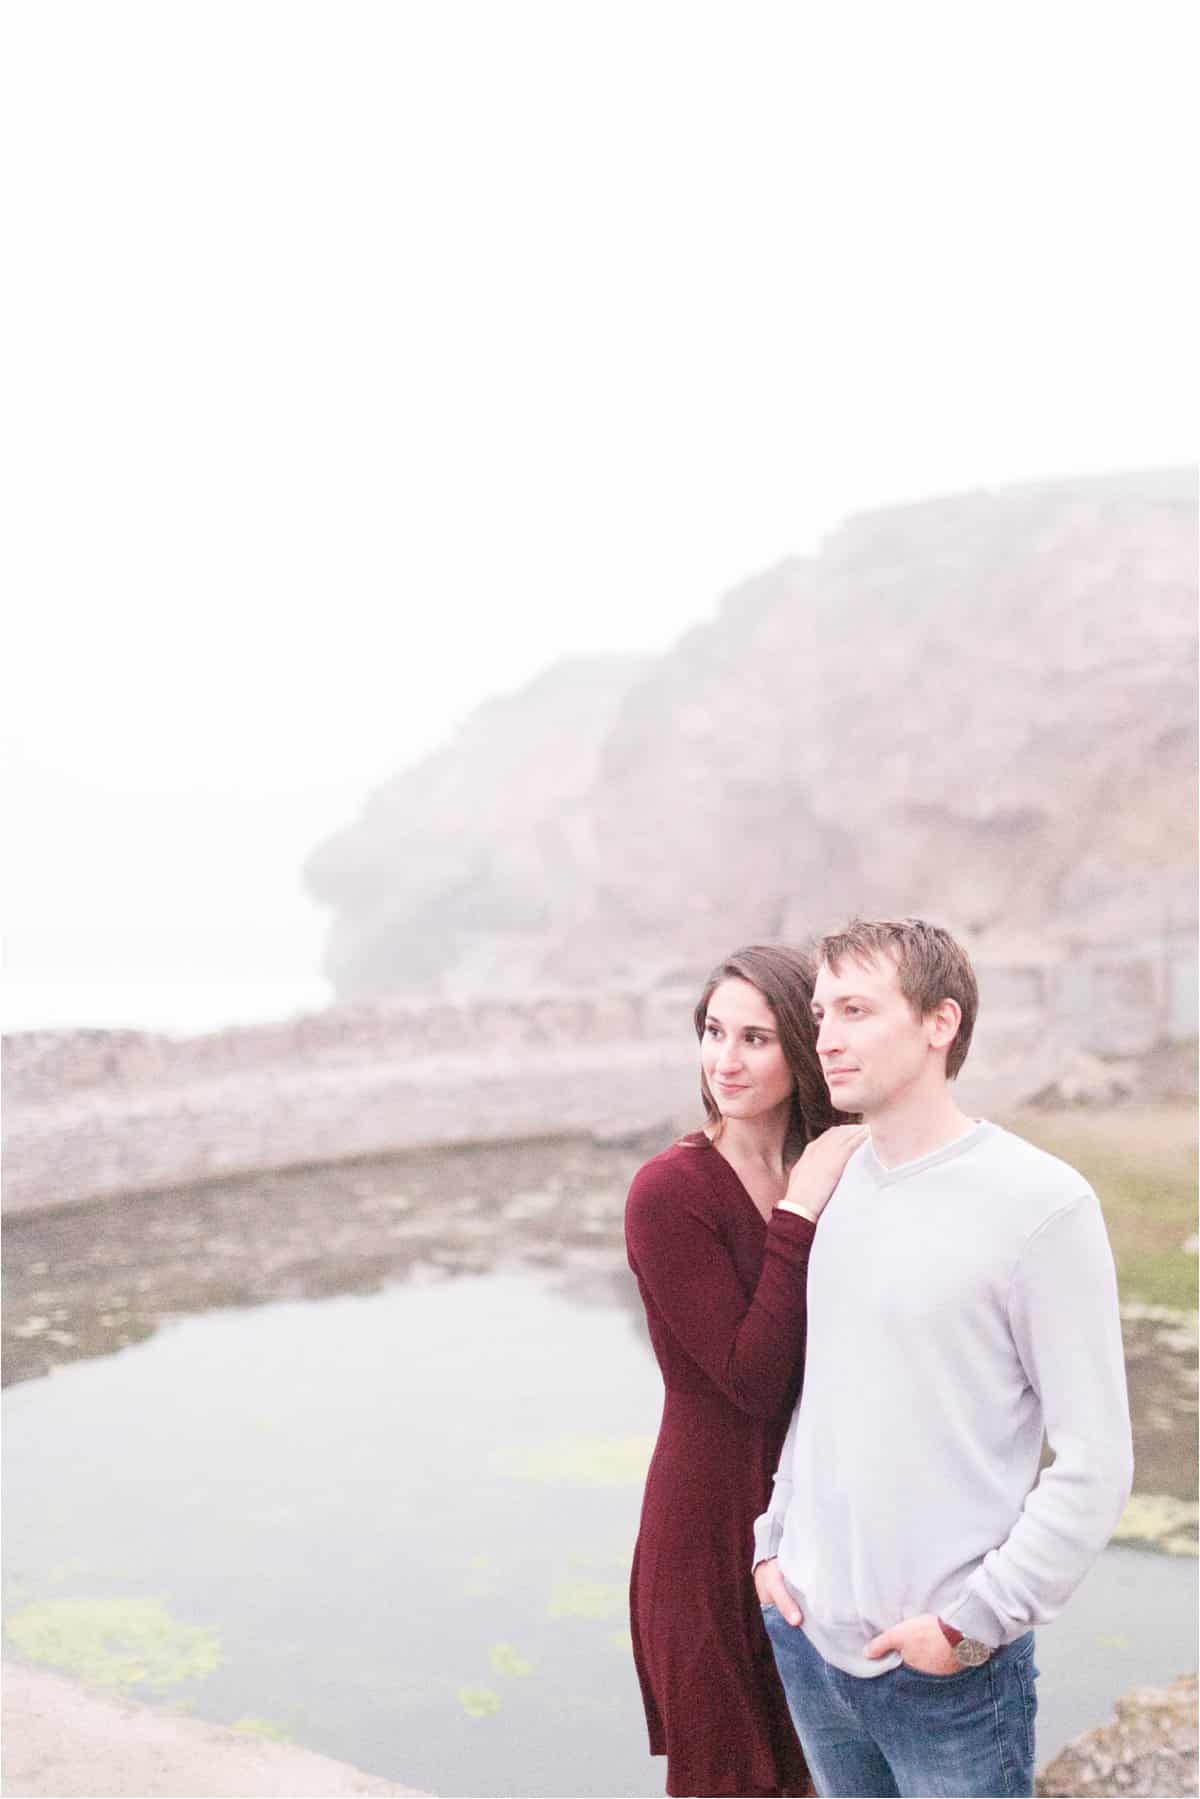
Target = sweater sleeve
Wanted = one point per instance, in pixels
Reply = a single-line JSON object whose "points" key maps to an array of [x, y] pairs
{"points": [[749, 1349], [1066, 1324], [768, 1526]]}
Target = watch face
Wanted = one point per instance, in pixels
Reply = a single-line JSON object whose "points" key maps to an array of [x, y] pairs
{"points": [[971, 1653]]}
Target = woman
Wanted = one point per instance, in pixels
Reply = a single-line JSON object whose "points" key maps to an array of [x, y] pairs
{"points": [[718, 1229]]}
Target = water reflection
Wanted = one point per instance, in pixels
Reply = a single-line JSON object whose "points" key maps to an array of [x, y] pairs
{"points": [[88, 1281], [380, 1508]]}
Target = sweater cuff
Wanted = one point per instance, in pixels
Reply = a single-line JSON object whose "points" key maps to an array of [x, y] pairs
{"points": [[768, 1534], [975, 1618], [793, 1225]]}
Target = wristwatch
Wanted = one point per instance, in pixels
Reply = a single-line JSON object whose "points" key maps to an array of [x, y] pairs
{"points": [[969, 1652]]}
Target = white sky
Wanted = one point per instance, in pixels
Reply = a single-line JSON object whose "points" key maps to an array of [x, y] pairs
{"points": [[363, 359]]}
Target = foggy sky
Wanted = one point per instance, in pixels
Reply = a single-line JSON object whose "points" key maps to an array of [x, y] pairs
{"points": [[363, 361]]}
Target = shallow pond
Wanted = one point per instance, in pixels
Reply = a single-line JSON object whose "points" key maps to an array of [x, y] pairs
{"points": [[382, 1500]]}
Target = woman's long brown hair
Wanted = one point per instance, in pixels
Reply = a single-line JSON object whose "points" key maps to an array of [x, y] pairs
{"points": [[784, 977]]}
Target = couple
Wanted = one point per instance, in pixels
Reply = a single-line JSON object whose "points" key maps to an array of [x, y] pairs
{"points": [[956, 1298]]}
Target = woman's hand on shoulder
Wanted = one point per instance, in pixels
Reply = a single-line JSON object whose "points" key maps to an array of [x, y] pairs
{"points": [[817, 1173]]}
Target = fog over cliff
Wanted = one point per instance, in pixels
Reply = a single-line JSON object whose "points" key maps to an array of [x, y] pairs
{"points": [[980, 708]]}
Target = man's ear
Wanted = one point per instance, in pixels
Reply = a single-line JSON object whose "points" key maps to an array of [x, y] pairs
{"points": [[943, 1023]]}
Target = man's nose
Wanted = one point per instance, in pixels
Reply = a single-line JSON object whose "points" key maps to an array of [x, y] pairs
{"points": [[827, 1037]]}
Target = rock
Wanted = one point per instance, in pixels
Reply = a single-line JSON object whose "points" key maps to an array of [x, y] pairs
{"points": [[981, 708], [1149, 1749], [460, 867], [1088, 1080]]}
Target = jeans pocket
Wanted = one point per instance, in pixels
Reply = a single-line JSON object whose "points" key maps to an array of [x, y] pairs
{"points": [[936, 1680]]}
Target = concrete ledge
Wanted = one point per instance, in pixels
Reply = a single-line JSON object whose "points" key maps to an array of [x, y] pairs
{"points": [[62, 1742], [90, 1146], [87, 1118]]}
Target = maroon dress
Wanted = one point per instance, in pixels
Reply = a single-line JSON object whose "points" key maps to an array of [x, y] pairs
{"points": [[724, 1296]]}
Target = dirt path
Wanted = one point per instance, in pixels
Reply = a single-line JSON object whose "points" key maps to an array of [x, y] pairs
{"points": [[61, 1742]]}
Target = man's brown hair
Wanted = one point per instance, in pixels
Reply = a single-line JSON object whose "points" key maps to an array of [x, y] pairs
{"points": [[931, 967]]}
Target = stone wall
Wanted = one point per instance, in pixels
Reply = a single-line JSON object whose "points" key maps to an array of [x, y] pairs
{"points": [[88, 1114], [1115, 998], [93, 1113]]}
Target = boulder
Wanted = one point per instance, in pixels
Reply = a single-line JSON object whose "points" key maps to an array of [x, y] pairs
{"points": [[1149, 1748]]}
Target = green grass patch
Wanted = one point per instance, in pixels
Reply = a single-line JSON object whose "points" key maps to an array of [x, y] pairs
{"points": [[1141, 1160]]}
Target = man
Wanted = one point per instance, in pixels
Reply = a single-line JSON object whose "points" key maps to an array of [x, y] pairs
{"points": [[961, 1299]]}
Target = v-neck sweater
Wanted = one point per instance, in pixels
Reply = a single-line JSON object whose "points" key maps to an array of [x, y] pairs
{"points": [[958, 1306]]}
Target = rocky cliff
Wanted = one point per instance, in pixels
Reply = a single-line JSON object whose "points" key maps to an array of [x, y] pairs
{"points": [[461, 866], [981, 708]]}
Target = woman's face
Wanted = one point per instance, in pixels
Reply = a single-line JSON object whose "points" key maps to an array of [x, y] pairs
{"points": [[741, 1055]]}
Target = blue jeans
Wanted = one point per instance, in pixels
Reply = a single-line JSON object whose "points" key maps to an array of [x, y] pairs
{"points": [[909, 1733]]}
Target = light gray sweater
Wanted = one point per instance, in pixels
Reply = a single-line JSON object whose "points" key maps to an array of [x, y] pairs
{"points": [[957, 1305]]}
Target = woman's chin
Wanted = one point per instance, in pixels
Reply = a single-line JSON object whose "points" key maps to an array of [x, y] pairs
{"points": [[744, 1106]]}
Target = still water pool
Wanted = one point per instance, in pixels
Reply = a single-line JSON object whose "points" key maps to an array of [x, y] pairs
{"points": [[397, 1528]]}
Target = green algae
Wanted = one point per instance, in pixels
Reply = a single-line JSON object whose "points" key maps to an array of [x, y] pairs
{"points": [[114, 1642], [507, 1660], [480, 1580], [479, 1702], [581, 1461], [1159, 1519], [266, 1728], [592, 1599]]}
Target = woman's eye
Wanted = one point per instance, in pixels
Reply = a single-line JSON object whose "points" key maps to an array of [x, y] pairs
{"points": [[710, 1030], [753, 1037]]}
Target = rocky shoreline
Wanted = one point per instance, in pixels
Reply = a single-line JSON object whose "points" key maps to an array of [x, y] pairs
{"points": [[92, 1115]]}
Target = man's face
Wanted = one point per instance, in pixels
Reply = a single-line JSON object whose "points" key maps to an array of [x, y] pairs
{"points": [[873, 1047]]}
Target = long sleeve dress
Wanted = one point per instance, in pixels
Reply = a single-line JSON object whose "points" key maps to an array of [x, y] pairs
{"points": [[724, 1294]]}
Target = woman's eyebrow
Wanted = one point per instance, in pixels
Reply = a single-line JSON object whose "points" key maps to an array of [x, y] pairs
{"points": [[762, 1030]]}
